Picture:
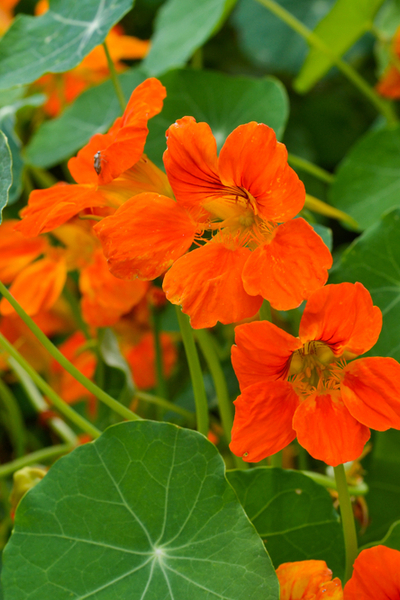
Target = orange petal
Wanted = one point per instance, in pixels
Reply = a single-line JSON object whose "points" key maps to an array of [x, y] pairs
{"points": [[207, 284], [16, 252], [81, 166], [50, 208], [104, 297], [301, 580], [332, 589], [376, 575], [370, 390], [191, 162], [262, 352], [343, 317], [389, 84], [327, 430], [37, 287], [263, 420], [141, 359], [290, 268], [252, 159], [145, 236]]}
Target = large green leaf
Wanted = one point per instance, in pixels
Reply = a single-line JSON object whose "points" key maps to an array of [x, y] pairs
{"points": [[392, 538], [92, 112], [374, 260], [383, 479], [367, 182], [293, 515], [269, 42], [144, 512], [5, 171], [182, 26], [56, 41], [223, 101], [339, 30]]}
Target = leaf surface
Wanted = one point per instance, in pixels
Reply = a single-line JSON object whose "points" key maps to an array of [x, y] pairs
{"points": [[5, 171]]}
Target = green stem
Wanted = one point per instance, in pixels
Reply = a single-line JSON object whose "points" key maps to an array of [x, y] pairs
{"points": [[221, 389], [39, 456], [195, 372], [59, 426], [123, 411], [325, 481], [55, 399], [347, 518], [165, 404], [114, 78], [312, 39], [16, 427], [76, 311], [265, 311], [276, 459], [309, 167]]}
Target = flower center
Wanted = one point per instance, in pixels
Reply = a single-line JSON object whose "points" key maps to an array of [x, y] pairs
{"points": [[315, 369]]}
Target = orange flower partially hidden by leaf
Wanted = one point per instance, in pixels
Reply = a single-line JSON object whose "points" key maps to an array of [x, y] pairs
{"points": [[306, 386], [389, 83], [308, 580], [376, 575]]}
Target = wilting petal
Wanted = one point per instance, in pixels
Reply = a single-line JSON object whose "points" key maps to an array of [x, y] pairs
{"points": [[290, 268], [263, 420], [145, 236], [343, 317], [262, 352], [50, 208], [252, 159], [370, 390], [300, 580], [191, 162], [16, 252], [207, 284], [327, 430], [104, 297], [376, 575], [37, 287]]}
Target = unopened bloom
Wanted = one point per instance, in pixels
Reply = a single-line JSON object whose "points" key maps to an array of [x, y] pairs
{"points": [[308, 580], [304, 386], [239, 208]]}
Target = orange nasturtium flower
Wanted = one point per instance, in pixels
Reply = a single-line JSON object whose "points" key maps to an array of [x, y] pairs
{"points": [[305, 385], [239, 208], [389, 83], [308, 580], [376, 575], [108, 170]]}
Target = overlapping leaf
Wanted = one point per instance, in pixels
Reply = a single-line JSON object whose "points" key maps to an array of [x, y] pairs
{"points": [[374, 260], [368, 181], [223, 101], [93, 112], [293, 515], [182, 26], [5, 171], [56, 41], [144, 512], [339, 30]]}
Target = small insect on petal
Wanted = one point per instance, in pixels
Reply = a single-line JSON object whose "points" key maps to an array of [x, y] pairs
{"points": [[97, 162]]}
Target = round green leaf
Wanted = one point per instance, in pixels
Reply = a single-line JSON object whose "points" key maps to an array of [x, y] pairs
{"points": [[392, 538], [373, 259], [367, 182], [56, 41], [144, 512], [223, 101], [293, 515]]}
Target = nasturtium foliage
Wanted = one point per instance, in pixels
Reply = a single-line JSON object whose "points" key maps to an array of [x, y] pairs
{"points": [[181, 27], [144, 512], [267, 41], [392, 538], [118, 368], [223, 101], [5, 171], [374, 260], [56, 41], [94, 111], [339, 30], [367, 182], [293, 515]]}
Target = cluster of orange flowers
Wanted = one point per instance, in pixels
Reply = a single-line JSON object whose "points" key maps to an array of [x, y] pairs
{"points": [[376, 576]]}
